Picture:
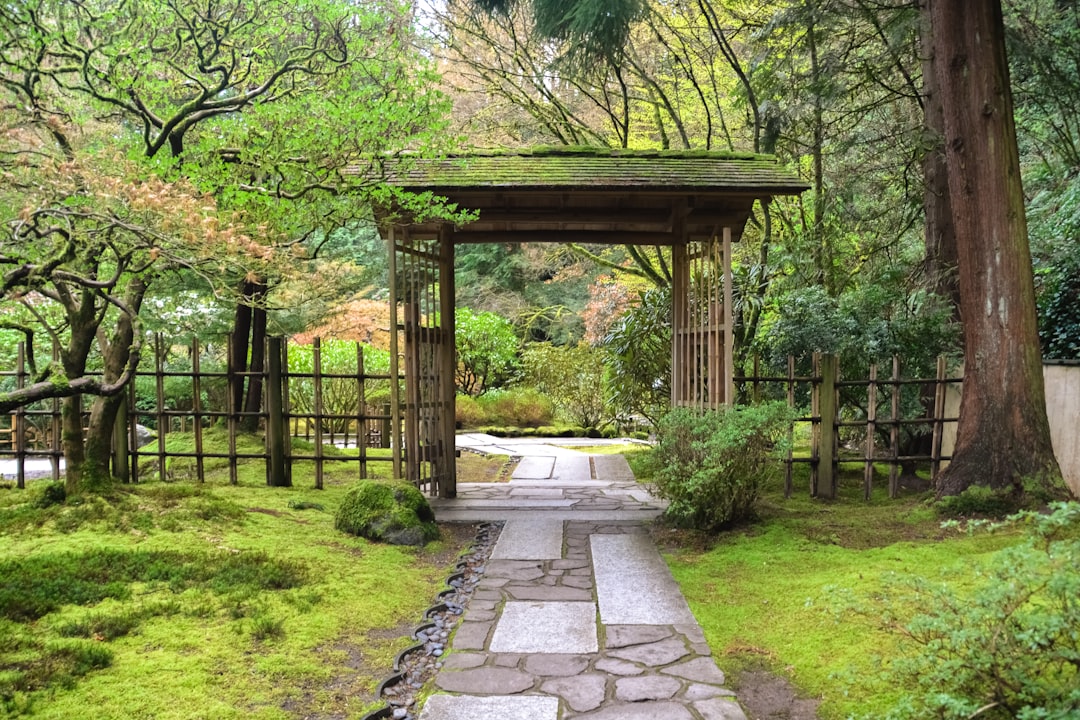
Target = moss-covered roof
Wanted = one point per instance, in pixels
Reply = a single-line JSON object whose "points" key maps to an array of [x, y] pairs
{"points": [[590, 168]]}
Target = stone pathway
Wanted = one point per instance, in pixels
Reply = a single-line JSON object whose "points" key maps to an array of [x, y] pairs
{"points": [[576, 616]]}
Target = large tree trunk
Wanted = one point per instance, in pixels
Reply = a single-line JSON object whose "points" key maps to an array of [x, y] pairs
{"points": [[939, 233], [1003, 435], [253, 401]]}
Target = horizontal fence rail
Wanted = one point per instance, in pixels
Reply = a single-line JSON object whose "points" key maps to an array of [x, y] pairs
{"points": [[321, 408], [873, 407]]}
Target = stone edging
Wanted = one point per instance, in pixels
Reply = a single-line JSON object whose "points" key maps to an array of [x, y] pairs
{"points": [[418, 663]]}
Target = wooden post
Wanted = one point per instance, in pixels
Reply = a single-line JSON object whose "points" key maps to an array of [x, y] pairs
{"points": [[827, 462], [361, 411], [275, 415], [286, 410], [679, 359], [160, 416], [815, 422], [57, 430], [871, 424], [18, 421], [939, 418], [317, 381], [788, 474], [448, 362], [232, 377], [894, 430], [197, 409], [133, 437], [394, 434], [120, 439], [729, 324]]}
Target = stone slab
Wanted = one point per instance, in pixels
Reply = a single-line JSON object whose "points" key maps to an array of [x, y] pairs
{"points": [[546, 627], [573, 469], [529, 539], [534, 468], [641, 711], [612, 467], [467, 707], [633, 585], [485, 680]]}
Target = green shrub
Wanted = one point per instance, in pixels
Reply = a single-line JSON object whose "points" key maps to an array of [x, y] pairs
{"points": [[523, 407], [710, 466], [391, 511], [1007, 648], [52, 494], [977, 500], [518, 407], [468, 413]]}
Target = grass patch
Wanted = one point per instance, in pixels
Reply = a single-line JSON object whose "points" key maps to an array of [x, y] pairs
{"points": [[180, 599], [627, 449], [794, 592], [477, 468]]}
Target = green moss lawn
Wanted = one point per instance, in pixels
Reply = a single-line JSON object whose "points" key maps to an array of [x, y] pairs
{"points": [[186, 600], [795, 593]]}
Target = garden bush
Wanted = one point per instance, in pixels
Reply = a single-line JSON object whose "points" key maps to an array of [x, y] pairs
{"points": [[517, 407], [1008, 647], [710, 466]]}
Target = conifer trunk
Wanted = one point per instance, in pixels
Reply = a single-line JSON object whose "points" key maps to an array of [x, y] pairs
{"points": [[1003, 434]]}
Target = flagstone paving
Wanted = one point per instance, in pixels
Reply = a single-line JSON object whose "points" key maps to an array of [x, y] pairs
{"points": [[576, 615]]}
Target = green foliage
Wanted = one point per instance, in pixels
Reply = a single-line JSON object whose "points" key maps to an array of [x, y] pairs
{"points": [[53, 493], [340, 395], [711, 466], [638, 348], [1006, 648], [977, 501], [42, 583], [513, 407], [573, 377], [1059, 309], [392, 511], [487, 351]]}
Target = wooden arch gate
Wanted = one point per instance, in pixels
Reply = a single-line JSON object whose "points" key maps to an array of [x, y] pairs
{"points": [[696, 203]]}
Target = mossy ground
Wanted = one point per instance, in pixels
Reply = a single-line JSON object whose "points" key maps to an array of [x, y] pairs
{"points": [[795, 592], [302, 621]]}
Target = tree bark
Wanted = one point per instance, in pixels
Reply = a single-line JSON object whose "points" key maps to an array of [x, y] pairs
{"points": [[1003, 435], [238, 361], [939, 264], [253, 401]]}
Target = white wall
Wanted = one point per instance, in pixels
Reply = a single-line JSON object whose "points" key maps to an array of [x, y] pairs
{"points": [[1062, 409]]}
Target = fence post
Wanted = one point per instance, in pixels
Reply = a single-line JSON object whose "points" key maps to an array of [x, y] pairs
{"points": [[18, 421], [789, 470], [387, 426], [871, 425], [827, 453], [939, 418], [317, 381], [275, 421], [894, 430], [815, 422]]}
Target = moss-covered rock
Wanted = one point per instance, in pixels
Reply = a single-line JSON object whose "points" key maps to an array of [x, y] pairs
{"points": [[389, 511]]}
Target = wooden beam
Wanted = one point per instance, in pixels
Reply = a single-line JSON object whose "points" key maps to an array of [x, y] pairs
{"points": [[606, 237], [576, 215]]}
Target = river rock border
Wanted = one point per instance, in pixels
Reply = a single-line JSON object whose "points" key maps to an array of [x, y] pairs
{"points": [[418, 663]]}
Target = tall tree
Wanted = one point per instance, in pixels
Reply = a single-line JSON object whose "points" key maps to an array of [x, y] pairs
{"points": [[1003, 436], [259, 124]]}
